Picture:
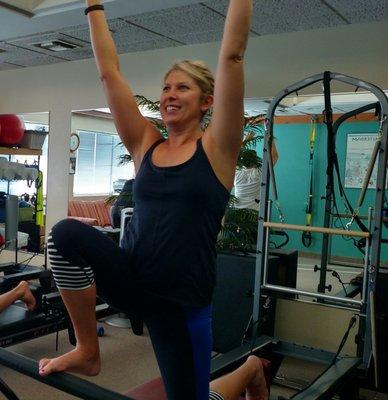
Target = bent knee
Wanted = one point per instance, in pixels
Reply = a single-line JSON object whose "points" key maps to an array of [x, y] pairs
{"points": [[66, 231]]}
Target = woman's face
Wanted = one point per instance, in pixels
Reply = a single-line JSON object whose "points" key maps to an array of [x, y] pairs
{"points": [[181, 99]]}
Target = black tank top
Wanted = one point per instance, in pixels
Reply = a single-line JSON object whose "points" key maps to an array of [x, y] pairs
{"points": [[174, 227]]}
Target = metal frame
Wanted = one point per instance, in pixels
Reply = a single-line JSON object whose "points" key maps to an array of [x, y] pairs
{"points": [[373, 106], [63, 381], [372, 260]]}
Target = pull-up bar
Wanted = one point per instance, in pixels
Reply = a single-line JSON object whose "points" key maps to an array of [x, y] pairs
{"points": [[63, 381], [330, 231]]}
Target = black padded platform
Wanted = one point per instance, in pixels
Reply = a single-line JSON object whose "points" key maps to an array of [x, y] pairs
{"points": [[18, 324]]}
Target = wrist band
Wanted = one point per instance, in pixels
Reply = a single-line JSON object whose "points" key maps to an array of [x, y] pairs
{"points": [[93, 8]]}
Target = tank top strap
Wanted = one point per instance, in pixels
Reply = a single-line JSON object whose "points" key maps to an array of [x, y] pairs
{"points": [[200, 146], [150, 150]]}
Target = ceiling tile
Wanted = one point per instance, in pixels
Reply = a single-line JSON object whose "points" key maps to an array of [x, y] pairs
{"points": [[190, 24], [361, 10], [131, 38], [181, 23], [80, 32], [221, 6], [38, 59], [78, 54], [123, 45], [30, 42], [281, 16], [270, 17], [24, 57], [5, 66]]}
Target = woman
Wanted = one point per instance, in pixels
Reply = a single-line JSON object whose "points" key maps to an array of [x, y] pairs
{"points": [[165, 267]]}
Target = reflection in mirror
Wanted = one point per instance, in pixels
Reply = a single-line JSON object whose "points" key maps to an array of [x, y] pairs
{"points": [[97, 173], [23, 174]]}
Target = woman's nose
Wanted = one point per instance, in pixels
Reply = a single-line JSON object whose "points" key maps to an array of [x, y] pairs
{"points": [[172, 93]]}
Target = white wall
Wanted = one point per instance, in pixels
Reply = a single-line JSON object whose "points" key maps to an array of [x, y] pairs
{"points": [[272, 63]]}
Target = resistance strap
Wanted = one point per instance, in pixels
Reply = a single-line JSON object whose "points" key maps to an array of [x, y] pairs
{"points": [[360, 244], [39, 200], [307, 238]]}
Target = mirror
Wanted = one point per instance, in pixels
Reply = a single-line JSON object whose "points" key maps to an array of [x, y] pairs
{"points": [[23, 175]]}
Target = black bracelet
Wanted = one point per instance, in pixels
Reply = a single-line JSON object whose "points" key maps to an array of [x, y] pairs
{"points": [[93, 8]]}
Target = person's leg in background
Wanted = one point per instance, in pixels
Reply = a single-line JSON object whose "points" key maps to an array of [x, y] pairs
{"points": [[248, 377], [20, 292], [182, 340], [85, 262]]}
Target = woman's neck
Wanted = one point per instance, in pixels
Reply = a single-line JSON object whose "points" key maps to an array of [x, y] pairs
{"points": [[178, 137]]}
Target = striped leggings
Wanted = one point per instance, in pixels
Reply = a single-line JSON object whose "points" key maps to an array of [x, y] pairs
{"points": [[80, 256]]}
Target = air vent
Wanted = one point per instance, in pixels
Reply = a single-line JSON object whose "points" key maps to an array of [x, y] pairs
{"points": [[57, 45]]}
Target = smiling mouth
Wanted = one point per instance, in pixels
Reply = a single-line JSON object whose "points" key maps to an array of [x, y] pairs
{"points": [[172, 108]]}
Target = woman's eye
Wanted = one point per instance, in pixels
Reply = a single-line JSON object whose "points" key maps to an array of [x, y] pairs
{"points": [[165, 88], [184, 87]]}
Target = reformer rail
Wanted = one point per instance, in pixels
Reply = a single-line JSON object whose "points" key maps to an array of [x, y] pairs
{"points": [[309, 228], [63, 381], [283, 289]]}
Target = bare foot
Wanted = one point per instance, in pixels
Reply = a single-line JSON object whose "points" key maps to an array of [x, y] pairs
{"points": [[74, 361], [257, 389], [26, 295]]}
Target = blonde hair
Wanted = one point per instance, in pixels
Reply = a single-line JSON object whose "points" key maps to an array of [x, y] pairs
{"points": [[198, 71]]}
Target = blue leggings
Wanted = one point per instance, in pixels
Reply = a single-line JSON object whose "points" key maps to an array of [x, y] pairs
{"points": [[80, 255]]}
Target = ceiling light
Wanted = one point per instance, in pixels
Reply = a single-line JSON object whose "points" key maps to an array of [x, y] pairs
{"points": [[57, 45]]}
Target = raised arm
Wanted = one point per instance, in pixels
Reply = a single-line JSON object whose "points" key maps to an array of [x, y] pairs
{"points": [[136, 133], [226, 128]]}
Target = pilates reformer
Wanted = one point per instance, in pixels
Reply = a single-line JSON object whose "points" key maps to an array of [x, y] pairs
{"points": [[18, 324], [89, 391], [50, 316]]}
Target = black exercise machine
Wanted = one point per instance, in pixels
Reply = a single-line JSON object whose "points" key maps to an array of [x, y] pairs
{"points": [[369, 364], [83, 389]]}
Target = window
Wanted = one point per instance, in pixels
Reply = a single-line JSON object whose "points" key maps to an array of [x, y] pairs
{"points": [[97, 163], [20, 187]]}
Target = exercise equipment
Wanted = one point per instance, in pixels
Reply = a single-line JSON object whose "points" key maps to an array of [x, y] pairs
{"points": [[231, 328], [39, 217], [121, 320], [340, 370], [12, 221], [63, 381], [124, 200], [307, 238], [154, 389], [12, 129]]}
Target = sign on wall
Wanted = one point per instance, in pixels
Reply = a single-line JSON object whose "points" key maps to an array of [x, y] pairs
{"points": [[358, 153]]}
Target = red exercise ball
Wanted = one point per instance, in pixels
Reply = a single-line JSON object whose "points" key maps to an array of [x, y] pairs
{"points": [[12, 129]]}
